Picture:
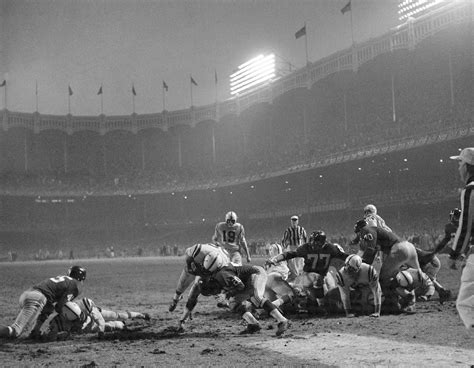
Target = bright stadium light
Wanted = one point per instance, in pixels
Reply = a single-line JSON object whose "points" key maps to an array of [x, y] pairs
{"points": [[411, 8], [253, 73]]}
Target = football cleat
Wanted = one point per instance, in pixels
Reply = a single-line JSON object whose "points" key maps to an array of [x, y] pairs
{"points": [[251, 329], [282, 327], [146, 316], [444, 295], [174, 303]]}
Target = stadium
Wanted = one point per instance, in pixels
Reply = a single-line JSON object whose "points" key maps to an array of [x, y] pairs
{"points": [[373, 123]]}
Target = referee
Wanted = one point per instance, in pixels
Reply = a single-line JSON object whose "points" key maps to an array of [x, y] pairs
{"points": [[294, 236]]}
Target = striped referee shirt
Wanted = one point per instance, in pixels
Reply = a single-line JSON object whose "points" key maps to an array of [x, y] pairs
{"points": [[465, 231], [294, 236]]}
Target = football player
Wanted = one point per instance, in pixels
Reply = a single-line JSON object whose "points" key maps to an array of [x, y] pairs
{"points": [[395, 251], [230, 235], [245, 282], [194, 258], [39, 302], [370, 215], [449, 233], [84, 316], [358, 275], [430, 265], [317, 255], [409, 284]]}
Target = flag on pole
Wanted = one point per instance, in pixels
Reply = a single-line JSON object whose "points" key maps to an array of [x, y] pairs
{"points": [[100, 91], [193, 81], [70, 90], [133, 90], [301, 32], [165, 86], [346, 8], [4, 83]]}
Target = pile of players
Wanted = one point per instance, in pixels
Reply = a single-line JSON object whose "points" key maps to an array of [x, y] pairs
{"points": [[387, 275], [310, 275]]}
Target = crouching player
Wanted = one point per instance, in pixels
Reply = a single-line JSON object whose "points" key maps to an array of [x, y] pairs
{"points": [[246, 282], [410, 284], [362, 277], [194, 258]]}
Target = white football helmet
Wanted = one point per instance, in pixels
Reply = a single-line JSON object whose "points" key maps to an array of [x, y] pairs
{"points": [[213, 262], [71, 311], [230, 218], [404, 279], [370, 209], [353, 263]]}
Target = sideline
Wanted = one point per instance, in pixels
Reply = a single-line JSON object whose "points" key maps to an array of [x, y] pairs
{"points": [[347, 350]]}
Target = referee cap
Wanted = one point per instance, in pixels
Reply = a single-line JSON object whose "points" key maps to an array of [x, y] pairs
{"points": [[295, 218], [466, 155]]}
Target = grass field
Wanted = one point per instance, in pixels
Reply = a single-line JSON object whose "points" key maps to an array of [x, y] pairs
{"points": [[434, 336]]}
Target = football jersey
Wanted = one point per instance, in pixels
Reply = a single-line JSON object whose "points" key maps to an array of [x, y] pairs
{"points": [[229, 236], [198, 252], [227, 275], [58, 289], [366, 277], [317, 258]]}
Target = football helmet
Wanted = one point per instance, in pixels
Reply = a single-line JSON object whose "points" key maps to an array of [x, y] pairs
{"points": [[213, 262], [404, 279], [359, 225], [71, 311], [370, 209], [318, 237], [454, 215], [353, 263], [77, 272], [230, 218]]}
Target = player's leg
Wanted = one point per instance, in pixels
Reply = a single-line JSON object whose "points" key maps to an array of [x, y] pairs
{"points": [[32, 303], [185, 279]]}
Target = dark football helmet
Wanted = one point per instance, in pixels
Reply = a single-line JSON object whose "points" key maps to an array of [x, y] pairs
{"points": [[359, 225], [454, 215], [318, 237], [77, 272]]}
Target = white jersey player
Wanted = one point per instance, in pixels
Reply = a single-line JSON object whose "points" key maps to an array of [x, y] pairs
{"points": [[357, 275], [195, 258], [230, 235]]}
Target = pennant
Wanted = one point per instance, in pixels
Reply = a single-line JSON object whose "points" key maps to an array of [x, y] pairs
{"points": [[133, 90], [193, 81], [301, 32], [165, 86], [4, 83], [100, 91], [346, 8], [70, 90]]}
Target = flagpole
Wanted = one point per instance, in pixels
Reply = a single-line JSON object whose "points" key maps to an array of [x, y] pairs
{"points": [[191, 85], [69, 103], [394, 115], [352, 28], [5, 97], [36, 95], [306, 43], [101, 100], [133, 98], [163, 89]]}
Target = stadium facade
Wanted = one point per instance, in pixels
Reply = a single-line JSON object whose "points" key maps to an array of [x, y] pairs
{"points": [[374, 123]]}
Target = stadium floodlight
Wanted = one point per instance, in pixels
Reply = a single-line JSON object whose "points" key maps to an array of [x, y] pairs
{"points": [[253, 73], [411, 8]]}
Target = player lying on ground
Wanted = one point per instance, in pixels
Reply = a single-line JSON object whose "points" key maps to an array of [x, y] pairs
{"points": [[84, 316], [39, 302], [410, 284]]}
